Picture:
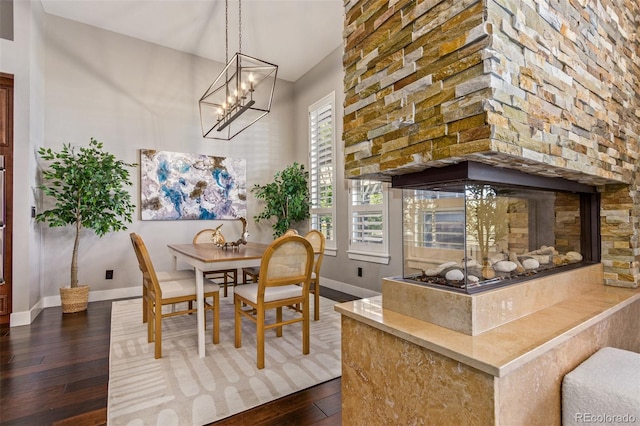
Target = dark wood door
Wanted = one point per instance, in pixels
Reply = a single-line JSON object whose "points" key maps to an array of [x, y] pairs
{"points": [[6, 208]]}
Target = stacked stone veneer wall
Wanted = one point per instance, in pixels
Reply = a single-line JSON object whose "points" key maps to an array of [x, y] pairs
{"points": [[567, 225], [549, 87], [518, 220]]}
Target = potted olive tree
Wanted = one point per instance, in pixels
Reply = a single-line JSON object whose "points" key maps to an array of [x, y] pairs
{"points": [[89, 188], [287, 198]]}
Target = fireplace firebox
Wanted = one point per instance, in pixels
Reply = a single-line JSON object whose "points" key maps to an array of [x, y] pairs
{"points": [[470, 227]]}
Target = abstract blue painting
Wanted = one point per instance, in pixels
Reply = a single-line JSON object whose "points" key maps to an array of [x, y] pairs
{"points": [[178, 186]]}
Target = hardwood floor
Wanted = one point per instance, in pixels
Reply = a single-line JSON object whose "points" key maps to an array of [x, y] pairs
{"points": [[56, 372]]}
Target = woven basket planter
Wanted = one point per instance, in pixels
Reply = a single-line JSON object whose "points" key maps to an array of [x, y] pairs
{"points": [[74, 299]]}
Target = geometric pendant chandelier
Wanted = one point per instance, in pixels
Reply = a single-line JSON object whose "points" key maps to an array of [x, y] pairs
{"points": [[240, 95]]}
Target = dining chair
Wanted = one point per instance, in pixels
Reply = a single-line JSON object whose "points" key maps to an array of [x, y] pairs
{"points": [[287, 262], [162, 276], [161, 293], [228, 276], [253, 272], [317, 241]]}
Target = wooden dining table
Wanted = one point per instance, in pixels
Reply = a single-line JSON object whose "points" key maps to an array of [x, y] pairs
{"points": [[206, 257]]}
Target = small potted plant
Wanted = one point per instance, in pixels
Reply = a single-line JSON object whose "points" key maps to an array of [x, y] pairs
{"points": [[89, 188], [287, 198]]}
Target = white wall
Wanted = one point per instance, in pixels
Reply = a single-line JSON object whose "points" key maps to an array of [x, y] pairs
{"points": [[340, 272], [131, 94]]}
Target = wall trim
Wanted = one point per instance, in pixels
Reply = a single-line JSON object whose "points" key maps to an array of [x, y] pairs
{"points": [[27, 317], [347, 288]]}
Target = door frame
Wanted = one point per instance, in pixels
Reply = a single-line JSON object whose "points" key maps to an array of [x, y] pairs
{"points": [[6, 149]]}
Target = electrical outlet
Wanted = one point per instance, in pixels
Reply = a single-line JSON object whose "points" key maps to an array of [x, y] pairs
{"points": [[108, 274], [359, 271]]}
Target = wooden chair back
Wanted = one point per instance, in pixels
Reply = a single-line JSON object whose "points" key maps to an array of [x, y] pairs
{"points": [[149, 277], [317, 241], [253, 272], [204, 236], [288, 260]]}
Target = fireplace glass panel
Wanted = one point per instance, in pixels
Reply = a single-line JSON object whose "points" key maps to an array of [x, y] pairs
{"points": [[471, 236]]}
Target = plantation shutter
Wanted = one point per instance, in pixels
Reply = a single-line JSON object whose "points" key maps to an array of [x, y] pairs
{"points": [[321, 152], [367, 225]]}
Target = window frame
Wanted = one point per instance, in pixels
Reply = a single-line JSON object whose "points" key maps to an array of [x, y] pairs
{"points": [[363, 251], [330, 99]]}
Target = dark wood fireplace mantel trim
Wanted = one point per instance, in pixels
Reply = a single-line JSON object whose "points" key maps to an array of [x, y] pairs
{"points": [[471, 170]]}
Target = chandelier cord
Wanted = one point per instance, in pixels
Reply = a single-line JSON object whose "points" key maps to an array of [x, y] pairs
{"points": [[239, 26], [226, 31]]}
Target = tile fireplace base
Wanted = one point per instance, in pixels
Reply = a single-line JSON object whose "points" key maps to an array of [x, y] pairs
{"points": [[397, 369]]}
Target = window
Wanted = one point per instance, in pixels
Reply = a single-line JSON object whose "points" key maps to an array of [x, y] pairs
{"points": [[368, 238], [322, 170], [439, 220], [443, 229]]}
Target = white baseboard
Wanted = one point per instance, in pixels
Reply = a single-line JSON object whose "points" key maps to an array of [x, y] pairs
{"points": [[27, 317], [347, 288]]}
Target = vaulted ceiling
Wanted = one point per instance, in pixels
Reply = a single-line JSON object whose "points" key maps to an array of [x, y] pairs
{"points": [[293, 34]]}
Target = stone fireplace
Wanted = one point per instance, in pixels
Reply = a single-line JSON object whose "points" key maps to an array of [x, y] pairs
{"points": [[548, 89], [472, 228], [545, 87]]}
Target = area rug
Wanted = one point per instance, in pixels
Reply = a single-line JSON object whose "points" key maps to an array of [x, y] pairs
{"points": [[184, 389]]}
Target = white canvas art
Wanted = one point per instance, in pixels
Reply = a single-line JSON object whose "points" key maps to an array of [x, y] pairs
{"points": [[179, 186]]}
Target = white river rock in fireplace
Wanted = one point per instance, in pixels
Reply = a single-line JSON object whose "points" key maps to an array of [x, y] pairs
{"points": [[523, 265]]}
